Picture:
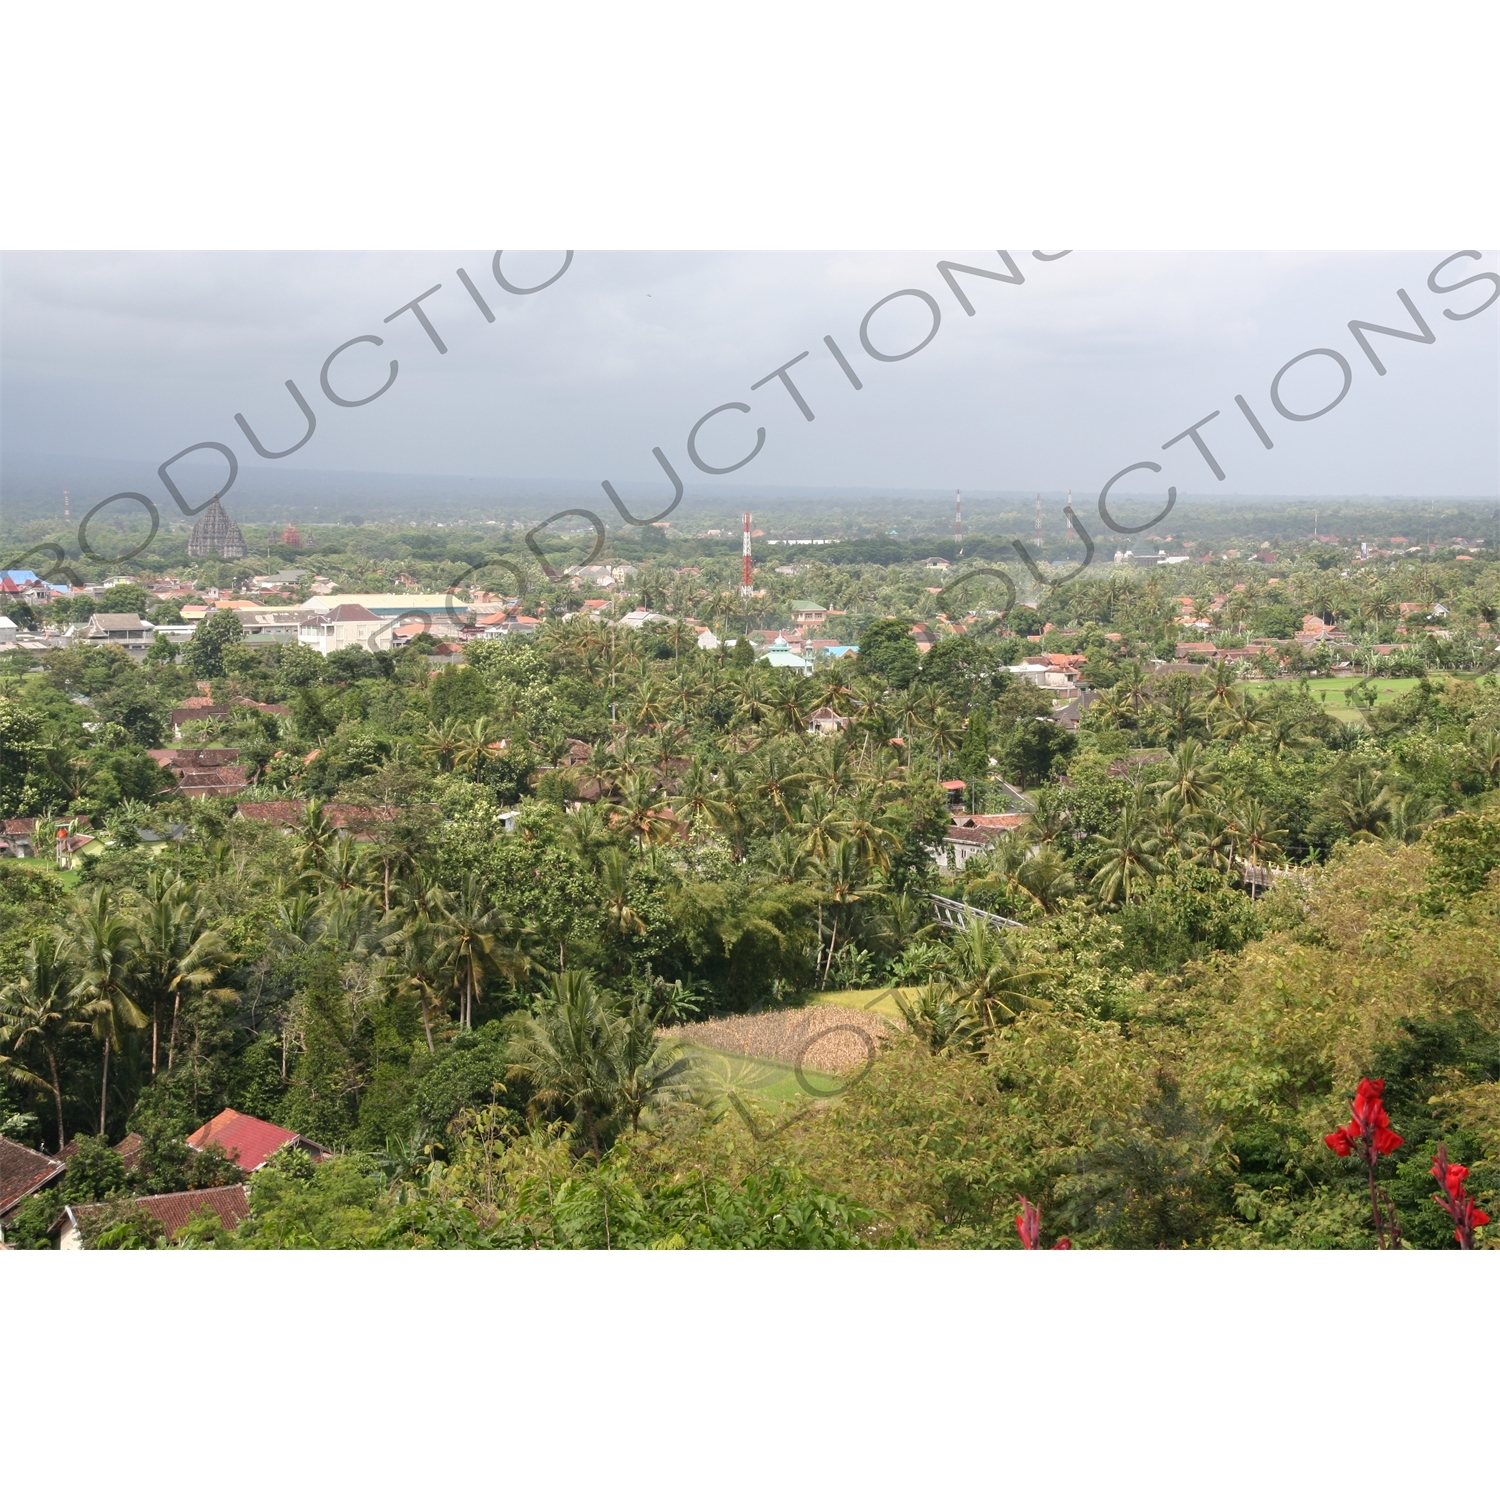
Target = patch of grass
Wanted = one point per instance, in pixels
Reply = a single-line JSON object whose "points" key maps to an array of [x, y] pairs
{"points": [[1330, 692], [771, 1081], [878, 1002]]}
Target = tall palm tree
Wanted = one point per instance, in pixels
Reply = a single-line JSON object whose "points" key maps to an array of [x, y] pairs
{"points": [[843, 881], [1220, 686], [1259, 834], [831, 768], [778, 782], [1365, 805], [648, 1070], [1127, 861], [995, 975], [474, 744], [571, 1053], [1486, 749], [419, 967], [176, 951], [39, 1009], [1188, 781], [105, 943], [475, 940], [877, 845], [700, 799], [1047, 880], [614, 887], [819, 824], [1242, 719], [315, 836], [643, 811], [440, 742]]}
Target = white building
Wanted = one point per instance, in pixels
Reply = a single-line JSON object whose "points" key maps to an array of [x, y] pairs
{"points": [[334, 629]]}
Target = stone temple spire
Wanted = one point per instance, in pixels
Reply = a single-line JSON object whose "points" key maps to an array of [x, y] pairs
{"points": [[215, 535]]}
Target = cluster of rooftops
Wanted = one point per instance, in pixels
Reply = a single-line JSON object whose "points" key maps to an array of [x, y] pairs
{"points": [[249, 1143]]}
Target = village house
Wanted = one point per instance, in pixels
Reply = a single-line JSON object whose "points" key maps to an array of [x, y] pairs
{"points": [[347, 819], [270, 627], [974, 834], [203, 771], [250, 1143], [807, 612], [22, 1173], [827, 721], [173, 1211], [127, 631]]}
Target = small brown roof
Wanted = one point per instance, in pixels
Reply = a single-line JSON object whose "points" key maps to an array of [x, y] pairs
{"points": [[117, 622], [196, 758], [23, 1172], [272, 812]]}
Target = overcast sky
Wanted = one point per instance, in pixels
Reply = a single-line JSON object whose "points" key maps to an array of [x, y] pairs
{"points": [[1090, 365]]}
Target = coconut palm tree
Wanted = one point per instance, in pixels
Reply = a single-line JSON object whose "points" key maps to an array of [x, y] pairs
{"points": [[419, 965], [1486, 750], [820, 823], [940, 1015], [648, 1070], [643, 812], [777, 782], [1127, 862], [1047, 880], [842, 877], [177, 951], [476, 940], [1188, 781], [474, 744], [571, 1052], [39, 1010], [104, 941], [1365, 805], [441, 742], [315, 836], [995, 976], [614, 887], [877, 845], [1260, 835]]}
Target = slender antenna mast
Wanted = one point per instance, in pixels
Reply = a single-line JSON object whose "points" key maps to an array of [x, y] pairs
{"points": [[67, 515], [958, 520], [1038, 520], [1071, 537], [745, 563]]}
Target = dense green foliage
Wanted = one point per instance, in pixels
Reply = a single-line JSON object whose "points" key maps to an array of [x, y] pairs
{"points": [[1235, 898]]}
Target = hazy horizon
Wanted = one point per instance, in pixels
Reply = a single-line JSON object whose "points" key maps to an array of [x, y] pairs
{"points": [[1090, 363]]}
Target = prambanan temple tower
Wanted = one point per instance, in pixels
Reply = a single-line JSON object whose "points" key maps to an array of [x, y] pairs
{"points": [[215, 535]]}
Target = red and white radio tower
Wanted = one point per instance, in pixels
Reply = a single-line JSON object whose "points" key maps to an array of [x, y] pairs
{"points": [[958, 520], [745, 564]]}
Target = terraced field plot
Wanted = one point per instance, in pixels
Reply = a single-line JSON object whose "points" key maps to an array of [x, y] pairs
{"points": [[765, 1052], [1331, 692]]}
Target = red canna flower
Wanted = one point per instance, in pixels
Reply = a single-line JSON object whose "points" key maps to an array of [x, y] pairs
{"points": [[1029, 1225], [1369, 1136], [1454, 1199]]}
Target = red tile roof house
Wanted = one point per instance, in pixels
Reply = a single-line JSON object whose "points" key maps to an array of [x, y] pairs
{"points": [[172, 1211], [250, 1143], [22, 1173]]}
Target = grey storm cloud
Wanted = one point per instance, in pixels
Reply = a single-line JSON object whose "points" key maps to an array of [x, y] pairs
{"points": [[1092, 362]]}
